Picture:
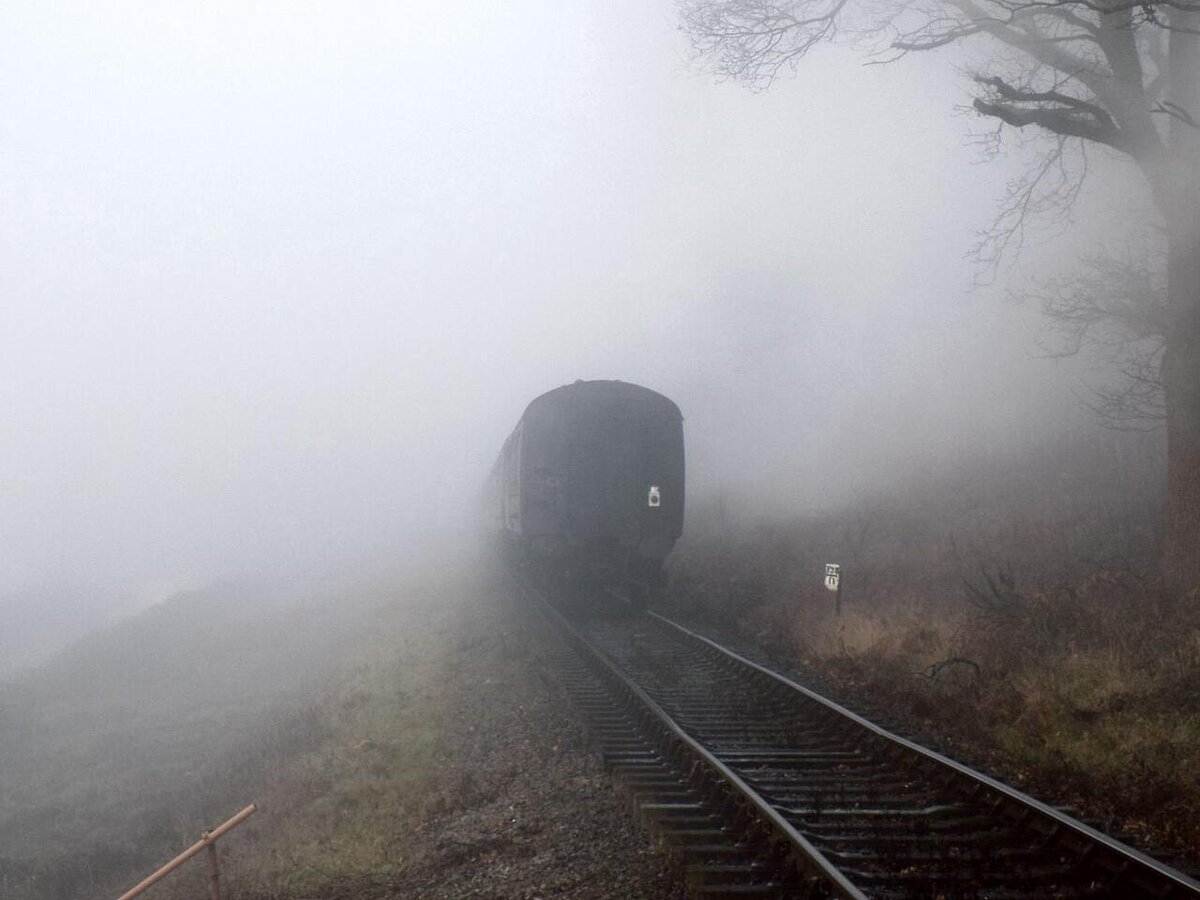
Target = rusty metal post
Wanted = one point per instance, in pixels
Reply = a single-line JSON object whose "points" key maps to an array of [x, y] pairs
{"points": [[214, 872], [209, 839]]}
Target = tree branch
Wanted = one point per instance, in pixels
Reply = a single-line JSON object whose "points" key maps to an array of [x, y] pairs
{"points": [[1053, 110], [753, 40], [1175, 111]]}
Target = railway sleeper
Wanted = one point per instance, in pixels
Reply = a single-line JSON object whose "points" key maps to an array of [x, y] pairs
{"points": [[731, 705], [833, 811], [862, 767], [606, 719], [668, 788], [659, 818], [674, 807], [728, 715], [737, 708], [686, 835], [625, 744], [613, 734], [767, 890], [759, 733], [975, 831], [622, 739], [1043, 881], [713, 873], [833, 784], [636, 803], [625, 758], [939, 827], [790, 758], [785, 771], [866, 775], [641, 782], [906, 891], [740, 740], [997, 856], [883, 811], [816, 802]]}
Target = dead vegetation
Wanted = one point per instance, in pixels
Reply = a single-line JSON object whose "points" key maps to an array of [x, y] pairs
{"points": [[1015, 620], [425, 754]]}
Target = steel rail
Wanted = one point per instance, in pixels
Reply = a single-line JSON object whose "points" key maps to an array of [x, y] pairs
{"points": [[1178, 880], [802, 847]]}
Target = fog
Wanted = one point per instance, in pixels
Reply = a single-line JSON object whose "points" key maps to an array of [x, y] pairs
{"points": [[278, 279]]}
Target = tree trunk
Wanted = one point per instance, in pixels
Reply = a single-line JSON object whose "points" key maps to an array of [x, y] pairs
{"points": [[1179, 198], [1181, 377]]}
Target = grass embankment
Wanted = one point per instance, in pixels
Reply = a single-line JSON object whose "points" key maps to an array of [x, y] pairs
{"points": [[1011, 620], [404, 741], [117, 754], [337, 817], [450, 768]]}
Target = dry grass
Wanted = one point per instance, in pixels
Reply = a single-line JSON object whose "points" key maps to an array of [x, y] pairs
{"points": [[340, 812], [343, 811], [1066, 667], [324, 713]]}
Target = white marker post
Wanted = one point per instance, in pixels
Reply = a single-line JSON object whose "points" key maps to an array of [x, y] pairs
{"points": [[833, 582]]}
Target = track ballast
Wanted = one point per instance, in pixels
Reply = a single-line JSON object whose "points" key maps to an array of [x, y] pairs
{"points": [[764, 788]]}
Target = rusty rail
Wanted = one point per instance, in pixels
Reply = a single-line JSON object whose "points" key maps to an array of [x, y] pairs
{"points": [[209, 840]]}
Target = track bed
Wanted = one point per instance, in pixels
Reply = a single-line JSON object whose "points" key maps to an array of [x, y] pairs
{"points": [[764, 788]]}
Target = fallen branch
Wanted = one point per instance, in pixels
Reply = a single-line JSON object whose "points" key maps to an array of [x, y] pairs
{"points": [[932, 671]]}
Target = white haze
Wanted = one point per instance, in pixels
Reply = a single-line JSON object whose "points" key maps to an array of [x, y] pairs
{"points": [[277, 278]]}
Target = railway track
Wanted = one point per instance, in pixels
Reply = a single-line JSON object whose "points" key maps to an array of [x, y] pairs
{"points": [[764, 788]]}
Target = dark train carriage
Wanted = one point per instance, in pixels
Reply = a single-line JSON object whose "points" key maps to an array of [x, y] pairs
{"points": [[592, 479]]}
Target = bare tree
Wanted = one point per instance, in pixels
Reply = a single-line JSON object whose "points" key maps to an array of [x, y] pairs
{"points": [[1121, 74], [1115, 310]]}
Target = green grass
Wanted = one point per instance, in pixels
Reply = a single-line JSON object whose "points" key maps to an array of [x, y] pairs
{"points": [[325, 711], [342, 813]]}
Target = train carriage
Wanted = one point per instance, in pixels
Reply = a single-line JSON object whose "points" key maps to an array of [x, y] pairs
{"points": [[591, 483]]}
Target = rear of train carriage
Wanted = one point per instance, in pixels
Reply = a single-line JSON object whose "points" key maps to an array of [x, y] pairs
{"points": [[591, 483]]}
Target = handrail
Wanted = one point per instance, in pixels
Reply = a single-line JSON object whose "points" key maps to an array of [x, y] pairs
{"points": [[208, 840]]}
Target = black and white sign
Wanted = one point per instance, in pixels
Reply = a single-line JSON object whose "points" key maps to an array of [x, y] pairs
{"points": [[833, 576]]}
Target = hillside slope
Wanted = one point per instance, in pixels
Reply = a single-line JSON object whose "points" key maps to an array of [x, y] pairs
{"points": [[35, 624], [400, 740]]}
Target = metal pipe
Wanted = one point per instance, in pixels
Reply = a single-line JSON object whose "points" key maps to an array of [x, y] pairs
{"points": [[209, 838], [214, 872]]}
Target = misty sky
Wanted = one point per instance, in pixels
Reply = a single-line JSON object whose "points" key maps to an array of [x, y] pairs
{"points": [[276, 279]]}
